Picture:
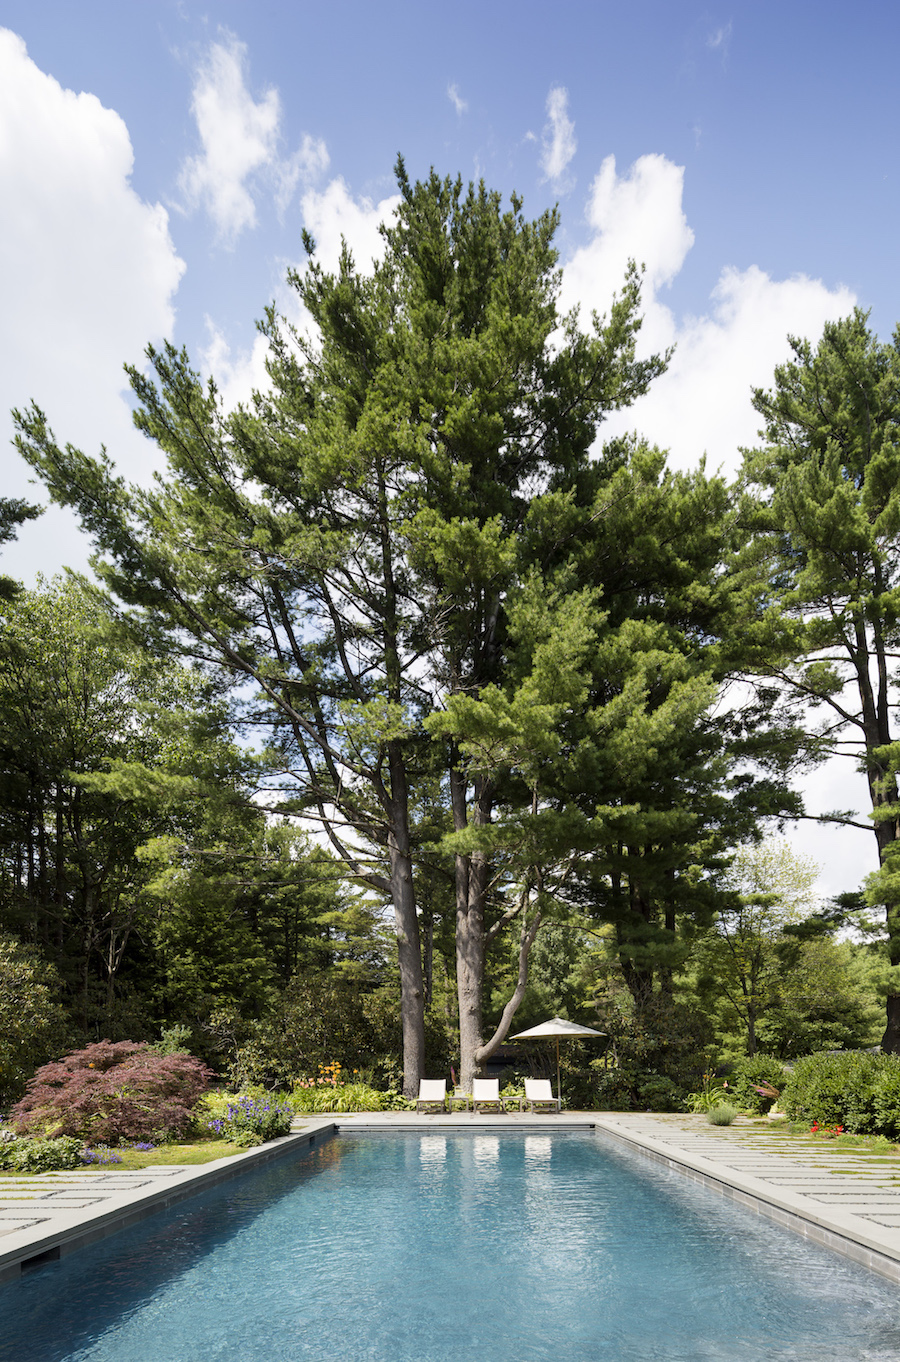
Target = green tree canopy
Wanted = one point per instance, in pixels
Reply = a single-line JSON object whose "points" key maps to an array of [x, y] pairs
{"points": [[346, 544], [13, 513], [823, 528]]}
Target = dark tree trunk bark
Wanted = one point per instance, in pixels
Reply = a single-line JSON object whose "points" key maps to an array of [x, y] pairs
{"points": [[890, 1041], [406, 922], [640, 913], [883, 794], [471, 888]]}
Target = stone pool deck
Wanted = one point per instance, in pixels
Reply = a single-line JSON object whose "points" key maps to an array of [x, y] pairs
{"points": [[841, 1198], [46, 1215]]}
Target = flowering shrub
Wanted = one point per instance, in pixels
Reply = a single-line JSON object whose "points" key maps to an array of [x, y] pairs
{"points": [[245, 1119], [329, 1076], [112, 1093]]}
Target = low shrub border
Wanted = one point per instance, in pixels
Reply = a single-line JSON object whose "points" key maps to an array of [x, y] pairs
{"points": [[858, 1091]]}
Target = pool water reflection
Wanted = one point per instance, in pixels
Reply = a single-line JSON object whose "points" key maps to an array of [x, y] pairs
{"points": [[453, 1246]]}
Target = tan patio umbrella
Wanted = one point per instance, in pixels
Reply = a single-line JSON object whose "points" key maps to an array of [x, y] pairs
{"points": [[553, 1029]]}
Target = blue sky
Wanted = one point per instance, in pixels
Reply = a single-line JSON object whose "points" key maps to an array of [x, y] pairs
{"points": [[158, 161]]}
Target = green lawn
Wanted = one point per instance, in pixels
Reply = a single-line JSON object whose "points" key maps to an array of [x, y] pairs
{"points": [[798, 1134]]}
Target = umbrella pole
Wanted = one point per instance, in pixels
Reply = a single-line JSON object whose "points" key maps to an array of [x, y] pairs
{"points": [[558, 1088]]}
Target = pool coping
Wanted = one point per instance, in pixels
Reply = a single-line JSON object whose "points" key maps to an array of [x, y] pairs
{"points": [[153, 1189], [874, 1246]]}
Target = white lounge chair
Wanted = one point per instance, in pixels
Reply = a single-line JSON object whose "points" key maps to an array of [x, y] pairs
{"points": [[486, 1093], [539, 1095], [432, 1093]]}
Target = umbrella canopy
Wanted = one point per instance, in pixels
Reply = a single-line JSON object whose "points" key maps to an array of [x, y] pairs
{"points": [[553, 1029], [556, 1026]]}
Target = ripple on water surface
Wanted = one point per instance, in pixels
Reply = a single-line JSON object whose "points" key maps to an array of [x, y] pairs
{"points": [[424, 1249]]}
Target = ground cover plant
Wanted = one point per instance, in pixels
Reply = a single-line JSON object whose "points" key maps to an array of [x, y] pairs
{"points": [[130, 1159], [41, 1156], [111, 1093], [784, 1132]]}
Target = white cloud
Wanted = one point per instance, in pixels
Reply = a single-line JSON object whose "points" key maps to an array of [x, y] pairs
{"points": [[719, 38], [333, 213], [559, 144], [238, 135], [636, 216], [241, 140], [308, 162], [702, 404], [456, 99], [237, 374], [88, 275]]}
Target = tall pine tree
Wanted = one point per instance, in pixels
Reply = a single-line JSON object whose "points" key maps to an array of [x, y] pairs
{"points": [[345, 546]]}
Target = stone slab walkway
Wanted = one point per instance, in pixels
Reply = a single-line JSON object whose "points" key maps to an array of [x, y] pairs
{"points": [[844, 1199]]}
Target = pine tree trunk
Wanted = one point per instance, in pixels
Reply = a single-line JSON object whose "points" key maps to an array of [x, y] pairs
{"points": [[406, 923], [890, 1041], [409, 956], [470, 990], [471, 888]]}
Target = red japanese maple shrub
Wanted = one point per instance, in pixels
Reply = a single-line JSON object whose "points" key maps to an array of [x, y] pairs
{"points": [[113, 1092]]}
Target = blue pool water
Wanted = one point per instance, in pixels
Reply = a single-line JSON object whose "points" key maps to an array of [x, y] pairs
{"points": [[403, 1248]]}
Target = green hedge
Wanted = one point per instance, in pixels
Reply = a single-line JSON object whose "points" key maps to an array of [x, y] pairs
{"points": [[626, 1089], [748, 1075], [859, 1091]]}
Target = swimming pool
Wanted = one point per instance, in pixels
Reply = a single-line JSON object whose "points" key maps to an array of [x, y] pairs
{"points": [[427, 1248]]}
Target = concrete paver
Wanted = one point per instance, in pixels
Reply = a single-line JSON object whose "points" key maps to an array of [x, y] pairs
{"points": [[847, 1201]]}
